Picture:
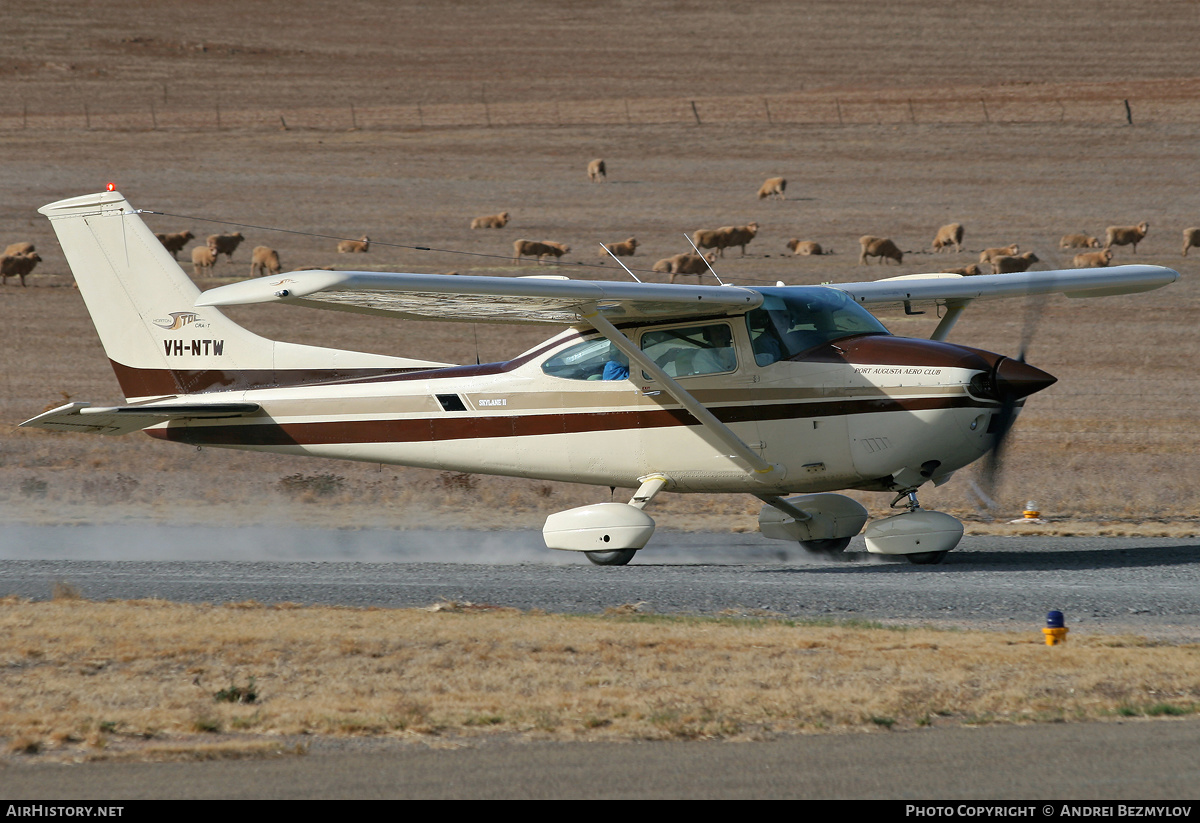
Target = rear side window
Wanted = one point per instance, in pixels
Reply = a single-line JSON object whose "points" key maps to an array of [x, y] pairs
{"points": [[692, 350]]}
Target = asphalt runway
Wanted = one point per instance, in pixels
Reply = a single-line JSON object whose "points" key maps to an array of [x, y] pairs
{"points": [[1100, 584], [1108, 585]]}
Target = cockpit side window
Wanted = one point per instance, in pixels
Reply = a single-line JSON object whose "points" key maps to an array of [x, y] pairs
{"points": [[692, 350], [786, 326], [590, 360]]}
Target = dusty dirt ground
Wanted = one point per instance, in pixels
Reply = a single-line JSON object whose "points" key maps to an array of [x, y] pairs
{"points": [[404, 121]]}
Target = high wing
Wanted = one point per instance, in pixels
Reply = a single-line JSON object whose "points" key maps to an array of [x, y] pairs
{"points": [[473, 299], [83, 417], [912, 289], [559, 301]]}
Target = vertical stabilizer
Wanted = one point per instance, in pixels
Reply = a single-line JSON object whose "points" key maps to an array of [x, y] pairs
{"points": [[143, 306]]}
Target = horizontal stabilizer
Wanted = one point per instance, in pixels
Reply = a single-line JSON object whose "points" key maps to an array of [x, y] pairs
{"points": [[83, 417]]}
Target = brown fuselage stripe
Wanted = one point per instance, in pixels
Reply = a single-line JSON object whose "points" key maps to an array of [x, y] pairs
{"points": [[431, 429]]}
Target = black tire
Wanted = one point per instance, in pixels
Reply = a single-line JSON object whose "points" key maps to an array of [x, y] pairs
{"points": [[926, 558], [617, 557], [830, 545]]}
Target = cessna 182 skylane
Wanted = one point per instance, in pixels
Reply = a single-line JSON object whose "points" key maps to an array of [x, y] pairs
{"points": [[786, 393]]}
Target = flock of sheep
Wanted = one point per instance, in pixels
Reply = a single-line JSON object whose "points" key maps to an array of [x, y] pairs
{"points": [[1003, 259], [264, 260], [19, 259], [1009, 259]]}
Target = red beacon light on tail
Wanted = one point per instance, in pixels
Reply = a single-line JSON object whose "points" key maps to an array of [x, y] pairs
{"points": [[110, 186]]}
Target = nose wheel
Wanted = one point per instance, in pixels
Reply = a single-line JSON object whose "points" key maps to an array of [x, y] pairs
{"points": [[922, 536]]}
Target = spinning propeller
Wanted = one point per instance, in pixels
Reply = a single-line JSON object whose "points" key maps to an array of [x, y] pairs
{"points": [[1010, 382]]}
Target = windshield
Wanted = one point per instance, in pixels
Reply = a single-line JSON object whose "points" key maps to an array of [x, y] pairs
{"points": [[792, 321]]}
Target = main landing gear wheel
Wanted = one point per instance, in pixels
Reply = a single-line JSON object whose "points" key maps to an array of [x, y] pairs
{"points": [[617, 557], [926, 558], [830, 545]]}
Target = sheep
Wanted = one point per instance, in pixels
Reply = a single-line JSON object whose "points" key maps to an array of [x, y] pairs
{"points": [[880, 247], [724, 237], [175, 241], [730, 236], [707, 238], [542, 250], [1191, 237], [687, 264], [966, 271], [626, 248], [1010, 264], [224, 244], [491, 221], [1092, 259], [989, 255], [1125, 235], [203, 259], [19, 248], [264, 261], [773, 188], [360, 246], [952, 233], [1078, 241], [597, 172], [805, 247], [17, 265]]}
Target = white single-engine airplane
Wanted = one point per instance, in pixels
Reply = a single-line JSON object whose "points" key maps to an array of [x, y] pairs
{"points": [[786, 393]]}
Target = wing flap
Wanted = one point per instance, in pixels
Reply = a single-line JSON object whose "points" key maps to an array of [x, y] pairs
{"points": [[476, 299], [113, 420]]}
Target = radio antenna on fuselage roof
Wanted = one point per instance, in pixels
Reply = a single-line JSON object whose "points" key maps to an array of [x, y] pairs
{"points": [[619, 263], [705, 259]]}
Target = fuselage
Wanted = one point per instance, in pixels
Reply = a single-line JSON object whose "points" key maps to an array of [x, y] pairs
{"points": [[863, 409]]}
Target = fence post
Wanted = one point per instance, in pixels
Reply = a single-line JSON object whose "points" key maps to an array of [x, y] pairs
{"points": [[986, 117], [912, 114], [767, 105], [1128, 113], [695, 113]]}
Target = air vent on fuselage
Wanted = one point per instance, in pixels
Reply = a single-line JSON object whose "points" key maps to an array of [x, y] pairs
{"points": [[451, 402]]}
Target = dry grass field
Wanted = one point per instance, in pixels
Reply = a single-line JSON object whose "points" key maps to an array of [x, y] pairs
{"points": [[158, 680], [403, 122]]}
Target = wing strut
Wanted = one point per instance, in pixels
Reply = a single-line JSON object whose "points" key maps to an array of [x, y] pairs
{"points": [[768, 473], [954, 309]]}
